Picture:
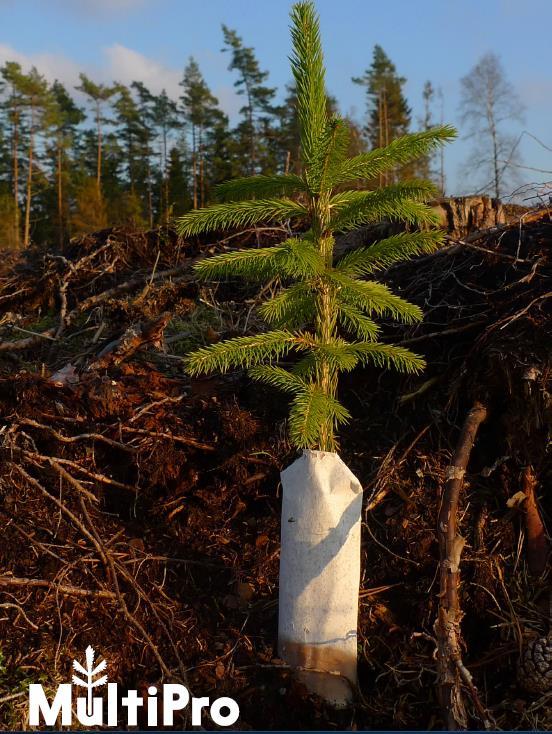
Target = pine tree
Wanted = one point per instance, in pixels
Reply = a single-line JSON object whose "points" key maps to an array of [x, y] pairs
{"points": [[5, 159], [146, 103], [289, 138], [324, 301], [259, 98], [179, 193], [90, 213], [220, 152], [165, 119], [114, 168], [129, 121], [387, 108], [200, 110], [289, 135], [35, 103], [12, 74], [7, 212], [7, 217], [63, 118], [99, 95], [126, 209], [135, 133]]}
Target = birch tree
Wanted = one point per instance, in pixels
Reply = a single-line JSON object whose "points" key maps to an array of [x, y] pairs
{"points": [[488, 102]]}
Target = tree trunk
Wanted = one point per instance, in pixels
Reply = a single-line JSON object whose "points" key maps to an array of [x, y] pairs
{"points": [[490, 103], [60, 194], [202, 180], [442, 150], [380, 131], [463, 215], [165, 178], [162, 188], [252, 142], [150, 198], [16, 176], [27, 230], [130, 161], [194, 166], [99, 161], [495, 164], [201, 170], [386, 135]]}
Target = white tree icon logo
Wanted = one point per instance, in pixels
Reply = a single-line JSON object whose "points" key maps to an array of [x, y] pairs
{"points": [[90, 672]]}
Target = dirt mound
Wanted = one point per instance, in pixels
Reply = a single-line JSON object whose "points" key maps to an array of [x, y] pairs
{"points": [[141, 511]]}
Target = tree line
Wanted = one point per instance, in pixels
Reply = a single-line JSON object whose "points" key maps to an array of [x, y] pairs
{"points": [[127, 156]]}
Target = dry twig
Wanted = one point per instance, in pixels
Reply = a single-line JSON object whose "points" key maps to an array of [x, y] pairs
{"points": [[451, 672]]}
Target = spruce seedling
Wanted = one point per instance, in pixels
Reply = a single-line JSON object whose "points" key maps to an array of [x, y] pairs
{"points": [[325, 315]]}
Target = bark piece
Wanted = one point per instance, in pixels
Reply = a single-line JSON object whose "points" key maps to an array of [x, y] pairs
{"points": [[133, 339], [538, 548]]}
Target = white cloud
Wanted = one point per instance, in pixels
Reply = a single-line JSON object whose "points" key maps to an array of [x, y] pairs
{"points": [[52, 66], [229, 101], [126, 65], [116, 63]]}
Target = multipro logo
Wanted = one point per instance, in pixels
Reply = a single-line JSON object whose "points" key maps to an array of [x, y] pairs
{"points": [[159, 706]]}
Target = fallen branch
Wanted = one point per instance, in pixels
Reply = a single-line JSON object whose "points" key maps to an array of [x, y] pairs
{"points": [[127, 286], [30, 341], [72, 481], [451, 672], [59, 588], [177, 439], [56, 460], [443, 332], [80, 437]]}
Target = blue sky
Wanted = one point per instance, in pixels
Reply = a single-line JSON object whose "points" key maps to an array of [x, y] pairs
{"points": [[438, 40]]}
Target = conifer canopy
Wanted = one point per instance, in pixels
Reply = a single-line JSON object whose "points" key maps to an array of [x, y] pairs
{"points": [[324, 315]]}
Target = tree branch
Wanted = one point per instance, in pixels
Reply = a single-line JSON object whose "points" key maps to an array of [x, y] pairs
{"points": [[451, 672]]}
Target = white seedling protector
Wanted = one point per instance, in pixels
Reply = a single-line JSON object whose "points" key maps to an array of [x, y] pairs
{"points": [[320, 573]]}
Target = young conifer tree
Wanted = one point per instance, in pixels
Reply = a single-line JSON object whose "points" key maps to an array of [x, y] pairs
{"points": [[325, 315]]}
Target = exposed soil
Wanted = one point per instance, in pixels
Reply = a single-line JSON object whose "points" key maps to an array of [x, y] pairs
{"points": [[147, 506]]}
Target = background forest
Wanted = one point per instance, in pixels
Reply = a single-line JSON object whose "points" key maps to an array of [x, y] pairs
{"points": [[77, 160]]}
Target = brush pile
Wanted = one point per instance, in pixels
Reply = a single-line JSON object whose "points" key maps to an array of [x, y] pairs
{"points": [[140, 511]]}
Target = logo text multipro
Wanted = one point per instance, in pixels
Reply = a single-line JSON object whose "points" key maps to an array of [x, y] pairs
{"points": [[94, 710]]}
